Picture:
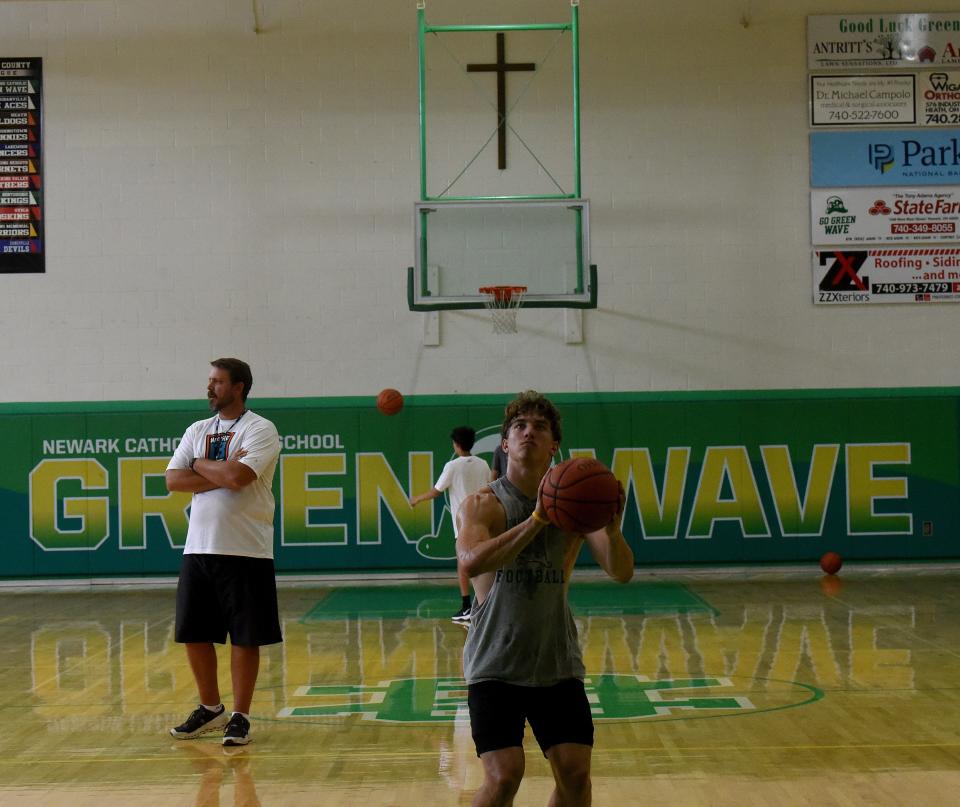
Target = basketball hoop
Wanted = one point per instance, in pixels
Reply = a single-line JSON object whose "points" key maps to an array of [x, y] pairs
{"points": [[503, 302]]}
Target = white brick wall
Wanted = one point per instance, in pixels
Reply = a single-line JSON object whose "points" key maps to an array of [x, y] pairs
{"points": [[214, 191]]}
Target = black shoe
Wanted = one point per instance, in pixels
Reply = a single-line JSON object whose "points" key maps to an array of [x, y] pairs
{"points": [[463, 615], [201, 720], [237, 731]]}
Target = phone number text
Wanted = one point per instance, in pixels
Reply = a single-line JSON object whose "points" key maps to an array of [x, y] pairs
{"points": [[912, 288]]}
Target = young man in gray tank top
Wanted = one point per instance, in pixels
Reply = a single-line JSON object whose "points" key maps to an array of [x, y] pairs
{"points": [[522, 660]]}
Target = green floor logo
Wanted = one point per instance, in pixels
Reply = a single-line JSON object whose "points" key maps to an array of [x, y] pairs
{"points": [[438, 700]]}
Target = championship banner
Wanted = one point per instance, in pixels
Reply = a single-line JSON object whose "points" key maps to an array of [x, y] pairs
{"points": [[863, 215], [885, 157], [862, 100], [909, 275], [882, 40], [21, 172]]}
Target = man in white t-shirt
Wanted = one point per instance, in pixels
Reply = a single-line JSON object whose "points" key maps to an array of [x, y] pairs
{"points": [[227, 581], [463, 475]]}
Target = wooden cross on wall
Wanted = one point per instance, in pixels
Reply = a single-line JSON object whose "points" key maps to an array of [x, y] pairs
{"points": [[501, 67]]}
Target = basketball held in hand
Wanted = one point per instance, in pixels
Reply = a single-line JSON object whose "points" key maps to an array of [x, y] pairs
{"points": [[389, 401], [580, 495]]}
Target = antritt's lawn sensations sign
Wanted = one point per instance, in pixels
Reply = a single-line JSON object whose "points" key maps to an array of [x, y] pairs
{"points": [[900, 275], [877, 215], [882, 40]]}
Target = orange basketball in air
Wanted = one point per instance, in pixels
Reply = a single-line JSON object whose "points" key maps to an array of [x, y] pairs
{"points": [[389, 401]]}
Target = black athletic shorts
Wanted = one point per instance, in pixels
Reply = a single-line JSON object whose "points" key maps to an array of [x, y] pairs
{"points": [[227, 594], [557, 714]]}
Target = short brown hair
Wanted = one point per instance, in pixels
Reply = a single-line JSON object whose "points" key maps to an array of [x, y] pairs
{"points": [[532, 401], [239, 373]]}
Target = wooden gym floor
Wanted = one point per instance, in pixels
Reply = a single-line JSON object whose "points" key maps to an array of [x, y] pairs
{"points": [[750, 689]]}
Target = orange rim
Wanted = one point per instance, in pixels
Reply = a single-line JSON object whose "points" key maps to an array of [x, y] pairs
{"points": [[502, 294]]}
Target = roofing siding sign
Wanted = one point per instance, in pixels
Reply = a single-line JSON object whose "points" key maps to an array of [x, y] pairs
{"points": [[864, 215], [882, 40], [900, 275]]}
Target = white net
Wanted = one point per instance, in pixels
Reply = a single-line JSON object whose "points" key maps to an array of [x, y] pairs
{"points": [[503, 303]]}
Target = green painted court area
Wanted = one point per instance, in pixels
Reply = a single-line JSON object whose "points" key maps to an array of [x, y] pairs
{"points": [[434, 602]]}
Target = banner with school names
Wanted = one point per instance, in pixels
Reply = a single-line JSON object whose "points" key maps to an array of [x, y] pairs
{"points": [[21, 166]]}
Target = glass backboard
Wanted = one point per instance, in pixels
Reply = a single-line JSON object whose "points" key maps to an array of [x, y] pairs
{"points": [[462, 246]]}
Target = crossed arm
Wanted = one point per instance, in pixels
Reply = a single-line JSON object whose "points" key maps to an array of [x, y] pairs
{"points": [[211, 474]]}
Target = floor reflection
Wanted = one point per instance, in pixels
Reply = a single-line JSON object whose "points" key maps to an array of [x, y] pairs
{"points": [[219, 767], [769, 679]]}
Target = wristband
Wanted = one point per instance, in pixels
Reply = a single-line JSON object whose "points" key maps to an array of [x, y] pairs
{"points": [[192, 461], [539, 519]]}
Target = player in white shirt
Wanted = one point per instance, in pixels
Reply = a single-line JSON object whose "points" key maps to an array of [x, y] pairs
{"points": [[463, 475]]}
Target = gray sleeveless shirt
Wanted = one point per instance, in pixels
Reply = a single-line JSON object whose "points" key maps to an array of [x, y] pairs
{"points": [[523, 632]]}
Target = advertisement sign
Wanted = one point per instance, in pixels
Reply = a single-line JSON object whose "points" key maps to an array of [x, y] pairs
{"points": [[907, 275], [939, 96], [862, 100], [21, 166], [882, 40], [860, 215], [711, 479], [886, 157]]}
